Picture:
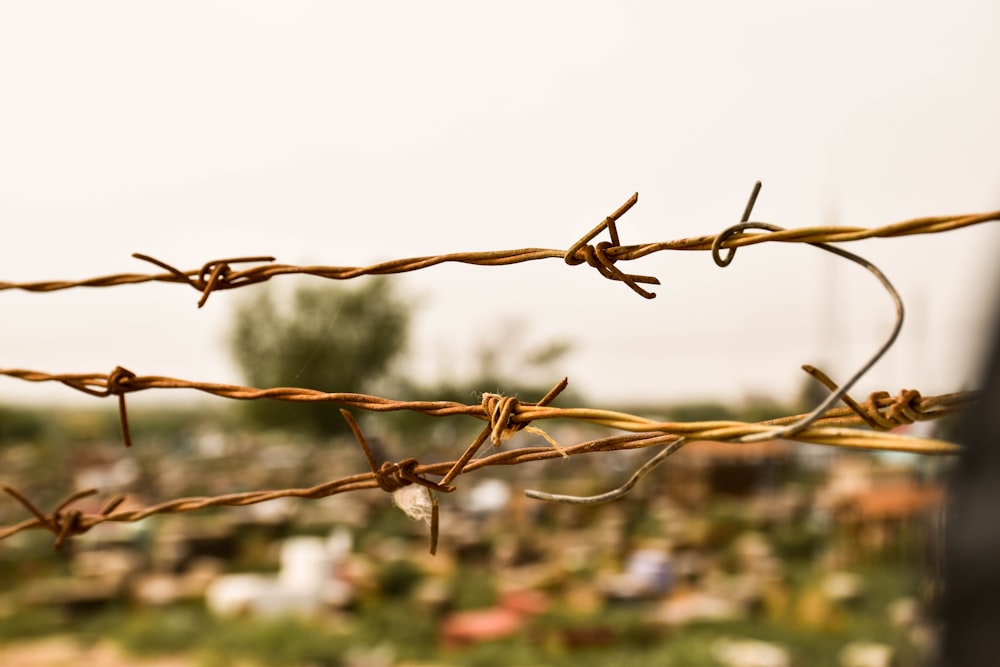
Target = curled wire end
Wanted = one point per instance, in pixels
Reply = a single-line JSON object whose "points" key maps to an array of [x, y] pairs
{"points": [[614, 494], [734, 231], [836, 394]]}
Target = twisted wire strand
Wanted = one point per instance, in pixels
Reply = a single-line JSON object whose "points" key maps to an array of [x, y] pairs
{"points": [[514, 414], [836, 427], [830, 429], [220, 274]]}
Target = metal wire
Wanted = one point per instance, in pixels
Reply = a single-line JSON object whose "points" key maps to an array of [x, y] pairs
{"points": [[787, 431], [219, 274], [838, 393], [517, 414], [834, 428], [503, 415], [615, 494]]}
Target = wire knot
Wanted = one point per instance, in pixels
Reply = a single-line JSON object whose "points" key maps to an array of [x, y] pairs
{"points": [[211, 276], [501, 410], [392, 477], [601, 256], [214, 275], [218, 275], [118, 384], [903, 410], [64, 523]]}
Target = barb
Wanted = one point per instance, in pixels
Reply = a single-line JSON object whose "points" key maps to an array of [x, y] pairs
{"points": [[214, 275], [220, 275], [602, 258], [392, 477], [502, 425], [898, 413], [63, 524]]}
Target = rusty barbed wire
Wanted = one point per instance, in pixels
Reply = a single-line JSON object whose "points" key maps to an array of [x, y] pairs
{"points": [[503, 416], [506, 415], [905, 408], [219, 274]]}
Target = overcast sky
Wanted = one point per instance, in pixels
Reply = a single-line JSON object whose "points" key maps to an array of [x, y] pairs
{"points": [[350, 133]]}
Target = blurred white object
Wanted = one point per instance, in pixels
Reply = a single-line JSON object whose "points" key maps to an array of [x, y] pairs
{"points": [[750, 653], [415, 501], [866, 654], [305, 584]]}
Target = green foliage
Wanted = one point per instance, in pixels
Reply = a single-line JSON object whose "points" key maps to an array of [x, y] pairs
{"points": [[282, 641], [397, 578], [705, 411], [171, 631], [473, 587], [796, 540], [408, 628], [506, 363], [19, 626], [409, 631], [327, 337], [183, 629], [754, 409], [18, 424], [32, 425]]}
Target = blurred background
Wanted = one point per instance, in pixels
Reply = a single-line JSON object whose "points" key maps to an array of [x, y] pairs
{"points": [[348, 134]]}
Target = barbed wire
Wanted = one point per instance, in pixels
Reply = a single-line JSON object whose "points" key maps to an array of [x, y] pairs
{"points": [[506, 415], [220, 274]]}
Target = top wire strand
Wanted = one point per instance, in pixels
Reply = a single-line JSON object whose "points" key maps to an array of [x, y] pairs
{"points": [[217, 275]]}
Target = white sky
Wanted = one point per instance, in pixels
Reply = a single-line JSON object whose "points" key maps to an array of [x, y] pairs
{"points": [[349, 133]]}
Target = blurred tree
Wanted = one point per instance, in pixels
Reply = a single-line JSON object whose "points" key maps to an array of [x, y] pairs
{"points": [[506, 362], [327, 337], [20, 424]]}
